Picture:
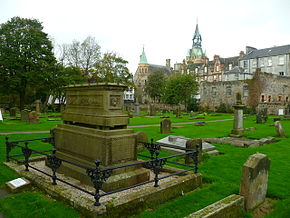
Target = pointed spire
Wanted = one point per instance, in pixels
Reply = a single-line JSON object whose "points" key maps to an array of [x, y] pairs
{"points": [[143, 59], [197, 37]]}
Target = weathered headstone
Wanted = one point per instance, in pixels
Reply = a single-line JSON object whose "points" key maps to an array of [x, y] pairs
{"points": [[165, 126], [136, 109], [38, 106], [238, 130], [13, 112], [141, 137], [195, 144], [254, 180], [25, 115], [152, 110], [33, 117], [279, 129], [259, 118]]}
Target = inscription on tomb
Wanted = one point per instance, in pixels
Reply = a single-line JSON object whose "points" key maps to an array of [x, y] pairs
{"points": [[85, 100]]}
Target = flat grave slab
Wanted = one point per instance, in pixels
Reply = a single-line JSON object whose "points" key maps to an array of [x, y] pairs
{"points": [[18, 185]]}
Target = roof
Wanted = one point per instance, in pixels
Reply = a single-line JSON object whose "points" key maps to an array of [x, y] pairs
{"points": [[267, 52], [163, 69], [143, 59], [235, 70]]}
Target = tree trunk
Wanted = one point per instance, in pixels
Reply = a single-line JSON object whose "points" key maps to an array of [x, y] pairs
{"points": [[22, 100]]}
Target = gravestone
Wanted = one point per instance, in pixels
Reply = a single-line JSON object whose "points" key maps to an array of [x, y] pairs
{"points": [[281, 112], [25, 115], [152, 110], [165, 126], [259, 118], [141, 137], [195, 144], [238, 130], [95, 128], [12, 112], [136, 109], [254, 180], [38, 106], [279, 129], [33, 117]]}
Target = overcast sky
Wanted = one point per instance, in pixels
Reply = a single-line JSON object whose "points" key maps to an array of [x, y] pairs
{"points": [[164, 27]]}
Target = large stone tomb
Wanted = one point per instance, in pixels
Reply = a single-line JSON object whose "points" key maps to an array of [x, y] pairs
{"points": [[95, 128]]}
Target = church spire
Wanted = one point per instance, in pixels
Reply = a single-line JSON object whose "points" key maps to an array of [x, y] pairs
{"points": [[197, 37], [143, 59]]}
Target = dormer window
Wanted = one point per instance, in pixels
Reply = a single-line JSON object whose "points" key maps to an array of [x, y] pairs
{"points": [[269, 62]]}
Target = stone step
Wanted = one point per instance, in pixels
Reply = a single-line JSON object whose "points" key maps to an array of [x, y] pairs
{"points": [[213, 153]]}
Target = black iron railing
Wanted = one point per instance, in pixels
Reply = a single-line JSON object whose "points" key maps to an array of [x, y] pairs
{"points": [[100, 175]]}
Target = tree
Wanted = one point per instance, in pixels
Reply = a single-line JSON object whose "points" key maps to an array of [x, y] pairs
{"points": [[180, 88], [112, 68], [83, 55], [155, 85], [26, 57]]}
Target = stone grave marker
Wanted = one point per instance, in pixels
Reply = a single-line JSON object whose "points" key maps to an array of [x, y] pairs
{"points": [[140, 138], [38, 106], [238, 130], [18, 185], [152, 110], [195, 144], [281, 112], [279, 129], [136, 109], [33, 117], [12, 112], [25, 115], [254, 180], [165, 126]]}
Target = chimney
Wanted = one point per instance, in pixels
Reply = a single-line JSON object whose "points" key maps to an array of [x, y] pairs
{"points": [[168, 63]]}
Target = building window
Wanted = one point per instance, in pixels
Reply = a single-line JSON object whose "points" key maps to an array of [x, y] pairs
{"points": [[213, 91], [262, 98], [205, 69], [228, 91], [286, 99], [269, 61], [245, 91], [269, 98], [254, 65], [230, 66], [204, 91], [217, 68], [279, 98], [281, 73], [281, 60], [262, 62], [245, 64], [196, 70]]}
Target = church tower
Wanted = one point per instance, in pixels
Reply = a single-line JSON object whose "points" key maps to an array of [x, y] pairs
{"points": [[195, 54]]}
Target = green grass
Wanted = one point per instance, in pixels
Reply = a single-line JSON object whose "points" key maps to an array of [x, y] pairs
{"points": [[222, 173]]}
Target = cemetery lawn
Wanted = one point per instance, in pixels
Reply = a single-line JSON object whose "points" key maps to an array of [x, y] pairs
{"points": [[221, 174]]}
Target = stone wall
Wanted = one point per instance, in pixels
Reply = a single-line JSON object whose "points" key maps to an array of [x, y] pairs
{"points": [[275, 92]]}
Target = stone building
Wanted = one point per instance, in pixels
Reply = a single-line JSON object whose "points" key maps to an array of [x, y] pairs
{"points": [[141, 76], [263, 90], [273, 60]]}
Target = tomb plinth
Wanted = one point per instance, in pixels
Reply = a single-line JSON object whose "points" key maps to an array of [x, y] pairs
{"points": [[95, 128]]}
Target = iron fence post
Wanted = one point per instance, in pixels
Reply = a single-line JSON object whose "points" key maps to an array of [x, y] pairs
{"points": [[26, 152], [8, 148], [54, 163], [98, 177]]}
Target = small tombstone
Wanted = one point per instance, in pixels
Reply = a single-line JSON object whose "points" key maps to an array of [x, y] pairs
{"points": [[38, 106], [178, 114], [141, 137], [152, 110], [18, 185], [12, 112], [279, 129], [192, 144], [33, 117], [165, 126], [25, 115], [254, 180], [259, 119], [281, 112]]}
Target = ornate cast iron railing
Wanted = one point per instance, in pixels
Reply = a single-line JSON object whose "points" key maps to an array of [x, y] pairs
{"points": [[99, 175]]}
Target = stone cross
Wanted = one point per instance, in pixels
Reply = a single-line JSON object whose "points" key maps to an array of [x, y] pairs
{"points": [[279, 129], [165, 126], [254, 180]]}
